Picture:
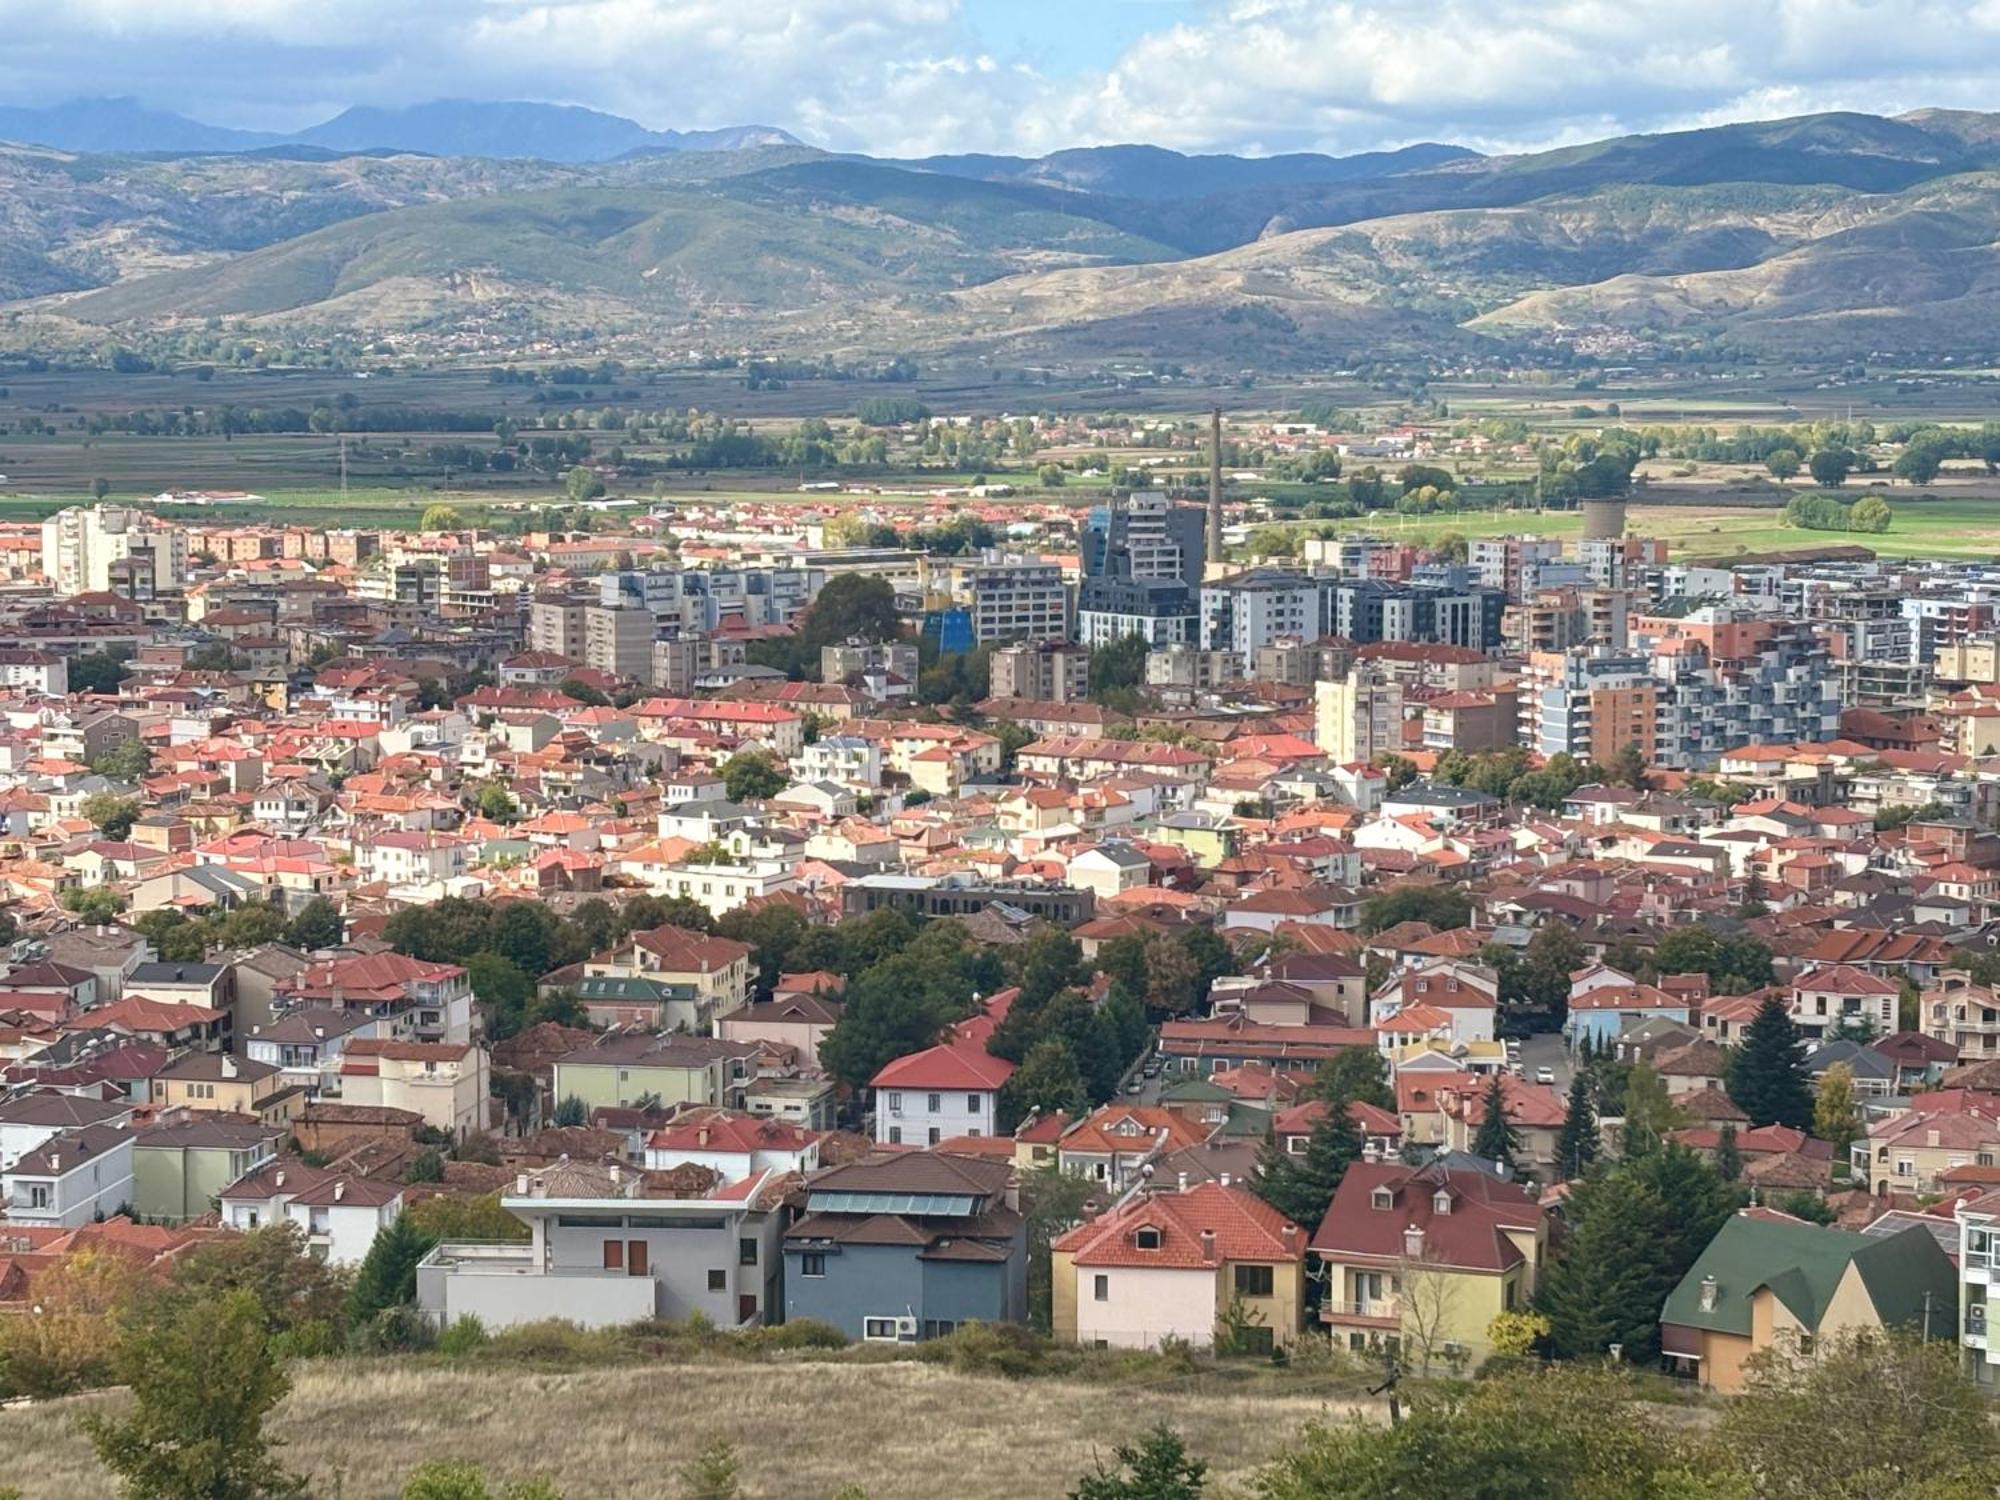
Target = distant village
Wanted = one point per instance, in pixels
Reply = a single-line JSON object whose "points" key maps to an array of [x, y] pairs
{"points": [[771, 910]]}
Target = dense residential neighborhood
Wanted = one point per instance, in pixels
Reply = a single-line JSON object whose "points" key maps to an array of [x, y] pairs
{"points": [[1436, 959]]}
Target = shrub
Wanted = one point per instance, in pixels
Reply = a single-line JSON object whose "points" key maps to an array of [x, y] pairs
{"points": [[990, 1349], [464, 1336]]}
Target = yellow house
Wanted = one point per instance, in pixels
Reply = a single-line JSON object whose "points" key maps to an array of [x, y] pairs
{"points": [[445, 1082], [1207, 840], [218, 1083], [1428, 1256], [1210, 1265], [1767, 1281]]}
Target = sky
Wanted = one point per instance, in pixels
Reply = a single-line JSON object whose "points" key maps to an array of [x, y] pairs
{"points": [[912, 77]]}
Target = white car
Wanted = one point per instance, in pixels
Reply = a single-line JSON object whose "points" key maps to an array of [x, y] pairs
{"points": [[1545, 1075]]}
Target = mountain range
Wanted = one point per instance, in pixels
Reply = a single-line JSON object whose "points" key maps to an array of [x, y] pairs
{"points": [[489, 225], [442, 127]]}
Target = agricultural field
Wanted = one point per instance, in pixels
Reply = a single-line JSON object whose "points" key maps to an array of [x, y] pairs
{"points": [[357, 1428], [1967, 528]]}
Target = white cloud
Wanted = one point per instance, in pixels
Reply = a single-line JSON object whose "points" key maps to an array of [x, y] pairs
{"points": [[910, 76]]}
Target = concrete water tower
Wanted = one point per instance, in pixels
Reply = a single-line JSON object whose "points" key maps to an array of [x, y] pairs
{"points": [[1603, 520]]}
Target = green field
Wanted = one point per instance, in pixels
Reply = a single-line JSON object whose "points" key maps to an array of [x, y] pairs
{"points": [[1924, 528]]}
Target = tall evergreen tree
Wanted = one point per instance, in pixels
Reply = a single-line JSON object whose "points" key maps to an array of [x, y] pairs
{"points": [[1576, 1147], [1635, 1231], [1728, 1160], [1497, 1140], [1048, 1080], [388, 1273], [1300, 1187], [1768, 1077]]}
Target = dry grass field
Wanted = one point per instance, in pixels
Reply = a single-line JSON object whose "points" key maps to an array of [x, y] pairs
{"points": [[901, 1431]]}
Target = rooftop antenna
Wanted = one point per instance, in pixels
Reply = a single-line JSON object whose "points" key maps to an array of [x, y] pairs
{"points": [[1215, 485]]}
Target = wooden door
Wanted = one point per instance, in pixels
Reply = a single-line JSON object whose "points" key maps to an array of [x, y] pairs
{"points": [[635, 1257], [614, 1255]]}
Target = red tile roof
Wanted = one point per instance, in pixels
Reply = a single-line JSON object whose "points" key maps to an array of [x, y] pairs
{"points": [[1198, 1228]]}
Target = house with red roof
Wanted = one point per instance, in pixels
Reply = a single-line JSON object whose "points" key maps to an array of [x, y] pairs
{"points": [[1198, 1264], [418, 1000], [1842, 996], [1428, 1256], [732, 1144], [947, 1090]]}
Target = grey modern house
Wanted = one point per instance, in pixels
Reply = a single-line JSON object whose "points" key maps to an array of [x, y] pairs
{"points": [[907, 1247]]}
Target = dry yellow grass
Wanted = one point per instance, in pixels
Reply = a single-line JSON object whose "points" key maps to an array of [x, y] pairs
{"points": [[901, 1431]]}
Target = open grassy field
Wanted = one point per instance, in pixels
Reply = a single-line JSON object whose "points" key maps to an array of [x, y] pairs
{"points": [[1962, 528], [901, 1431]]}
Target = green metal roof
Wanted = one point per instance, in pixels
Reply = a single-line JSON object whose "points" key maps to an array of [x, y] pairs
{"points": [[1802, 1265]]}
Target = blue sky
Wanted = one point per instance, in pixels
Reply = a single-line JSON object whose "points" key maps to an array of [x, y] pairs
{"points": [[1066, 38], [907, 77]]}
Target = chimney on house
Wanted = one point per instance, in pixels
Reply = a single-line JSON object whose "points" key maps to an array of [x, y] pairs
{"points": [[1208, 1244], [520, 1184], [1708, 1294], [55, 1161], [1290, 1236], [278, 1178], [1215, 485], [1180, 1184], [339, 1190], [228, 1066], [1413, 1242]]}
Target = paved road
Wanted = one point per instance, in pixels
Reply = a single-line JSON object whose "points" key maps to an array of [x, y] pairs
{"points": [[1546, 1051]]}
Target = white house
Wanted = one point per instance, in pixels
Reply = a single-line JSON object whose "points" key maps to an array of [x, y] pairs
{"points": [[28, 1122], [732, 1145], [339, 1215], [1110, 868], [952, 1089], [72, 1178], [412, 858]]}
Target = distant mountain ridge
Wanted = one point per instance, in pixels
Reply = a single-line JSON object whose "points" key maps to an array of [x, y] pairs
{"points": [[1835, 235], [502, 130]]}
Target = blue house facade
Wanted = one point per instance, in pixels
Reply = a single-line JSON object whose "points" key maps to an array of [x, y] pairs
{"points": [[901, 1248]]}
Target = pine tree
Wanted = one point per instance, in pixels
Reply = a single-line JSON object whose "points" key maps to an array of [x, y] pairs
{"points": [[1768, 1077], [1157, 1467], [1497, 1140], [388, 1274], [1635, 1231], [1728, 1160], [1300, 1187], [1576, 1148]]}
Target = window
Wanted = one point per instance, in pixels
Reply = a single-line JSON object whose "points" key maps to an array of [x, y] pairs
{"points": [[38, 1195], [746, 1252], [879, 1329], [895, 1102], [813, 1263], [939, 1328], [718, 1281], [1100, 1288], [972, 1103], [934, 1103], [1146, 1237], [935, 1135], [1382, 1198], [1254, 1281], [895, 1135]]}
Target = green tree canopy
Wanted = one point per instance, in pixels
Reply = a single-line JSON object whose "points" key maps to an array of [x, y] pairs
{"points": [[1767, 1076], [203, 1379]]}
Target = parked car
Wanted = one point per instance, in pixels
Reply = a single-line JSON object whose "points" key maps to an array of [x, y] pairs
{"points": [[1545, 1075]]}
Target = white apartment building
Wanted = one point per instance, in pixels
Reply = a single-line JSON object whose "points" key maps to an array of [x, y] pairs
{"points": [[1016, 598], [81, 544]]}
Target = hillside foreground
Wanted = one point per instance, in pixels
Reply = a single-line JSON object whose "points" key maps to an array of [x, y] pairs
{"points": [[901, 1430]]}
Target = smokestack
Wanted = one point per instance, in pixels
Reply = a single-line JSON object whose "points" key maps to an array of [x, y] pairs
{"points": [[1215, 485]]}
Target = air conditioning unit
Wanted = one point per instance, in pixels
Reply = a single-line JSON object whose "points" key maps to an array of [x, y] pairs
{"points": [[906, 1328]]}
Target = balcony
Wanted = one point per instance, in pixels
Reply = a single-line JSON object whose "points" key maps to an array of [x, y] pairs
{"points": [[1379, 1312]]}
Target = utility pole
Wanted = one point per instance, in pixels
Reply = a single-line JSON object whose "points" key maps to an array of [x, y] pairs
{"points": [[343, 466]]}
